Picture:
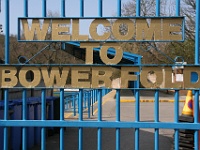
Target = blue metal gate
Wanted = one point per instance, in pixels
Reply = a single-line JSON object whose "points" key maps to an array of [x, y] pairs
{"points": [[28, 125]]}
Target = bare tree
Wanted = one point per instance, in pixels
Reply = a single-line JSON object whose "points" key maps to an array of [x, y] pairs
{"points": [[189, 11], [163, 52]]}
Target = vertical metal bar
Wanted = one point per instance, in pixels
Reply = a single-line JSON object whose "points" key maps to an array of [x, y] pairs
{"points": [[177, 7], [156, 117], [62, 15], [89, 102], [197, 35], [117, 104], [156, 112], [62, 8], [196, 118], [43, 95], [25, 8], [99, 97], [157, 7], [176, 119], [43, 117], [96, 92], [74, 103], [137, 8], [24, 117], [137, 117], [7, 31], [81, 8], [176, 106], [6, 118], [24, 103], [6, 92], [80, 110], [84, 99], [44, 8], [62, 118], [119, 8], [93, 101], [118, 119], [100, 3]]}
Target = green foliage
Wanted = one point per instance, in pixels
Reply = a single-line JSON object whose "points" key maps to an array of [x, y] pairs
{"points": [[185, 49]]}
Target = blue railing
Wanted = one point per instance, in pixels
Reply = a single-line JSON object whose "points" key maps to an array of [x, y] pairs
{"points": [[85, 100], [89, 99]]}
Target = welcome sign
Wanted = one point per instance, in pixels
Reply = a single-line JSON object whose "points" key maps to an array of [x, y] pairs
{"points": [[90, 75], [68, 29]]}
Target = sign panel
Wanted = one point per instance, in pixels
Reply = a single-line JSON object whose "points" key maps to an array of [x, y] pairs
{"points": [[137, 29], [92, 76]]}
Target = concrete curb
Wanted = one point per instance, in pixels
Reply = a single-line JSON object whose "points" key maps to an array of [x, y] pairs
{"points": [[148, 100]]}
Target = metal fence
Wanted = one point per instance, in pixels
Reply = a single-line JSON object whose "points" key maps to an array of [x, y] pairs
{"points": [[25, 123]]}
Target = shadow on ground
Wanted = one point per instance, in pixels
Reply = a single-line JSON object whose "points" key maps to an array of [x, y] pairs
{"points": [[166, 93], [108, 140]]}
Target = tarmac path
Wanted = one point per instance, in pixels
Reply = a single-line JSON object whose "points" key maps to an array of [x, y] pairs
{"points": [[127, 108]]}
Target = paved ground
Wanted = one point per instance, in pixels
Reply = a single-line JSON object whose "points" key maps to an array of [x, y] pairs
{"points": [[166, 114]]}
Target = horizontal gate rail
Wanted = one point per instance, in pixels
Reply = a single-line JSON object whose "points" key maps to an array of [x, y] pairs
{"points": [[100, 124], [88, 99]]}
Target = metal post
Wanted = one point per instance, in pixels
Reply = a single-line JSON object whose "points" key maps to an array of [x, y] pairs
{"points": [[43, 130], [6, 92], [156, 117], [62, 8], [100, 8], [138, 8], [177, 7], [119, 3], [118, 119], [43, 134], [137, 117], [44, 8], [197, 35], [80, 111], [62, 118], [99, 96], [196, 118], [176, 119], [81, 8], [157, 7], [24, 103], [25, 8]]}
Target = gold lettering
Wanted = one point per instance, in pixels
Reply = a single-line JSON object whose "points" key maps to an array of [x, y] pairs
{"points": [[127, 75], [151, 77], [35, 28], [168, 79], [54, 75], [116, 29], [93, 29], [101, 74], [187, 77], [172, 29], [8, 77], [80, 77], [148, 32], [118, 53], [60, 32], [138, 29], [89, 51], [23, 80]]}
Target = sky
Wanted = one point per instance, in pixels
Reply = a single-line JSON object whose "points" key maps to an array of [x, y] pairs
{"points": [[72, 10]]}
